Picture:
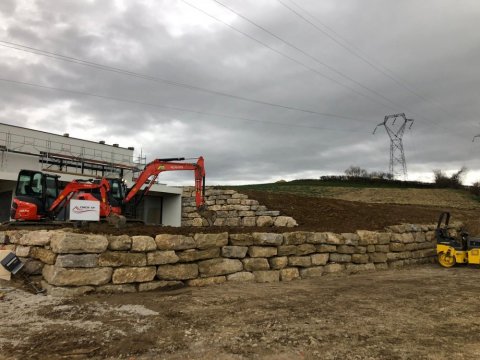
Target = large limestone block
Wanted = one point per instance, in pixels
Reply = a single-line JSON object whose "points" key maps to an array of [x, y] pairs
{"points": [[195, 255], [44, 255], [160, 285], [143, 243], [249, 221], [350, 239], [302, 261], [177, 272], [316, 238], [22, 251], [324, 248], [241, 239], [71, 243], [311, 272], [287, 250], [76, 277], [284, 221], [205, 241], [216, 267], [267, 239], [263, 221], [133, 274], [237, 252], [367, 237], [360, 258], [345, 249], [14, 236], [36, 238], [378, 257], [119, 243], [289, 274], [333, 268], [320, 259], [267, 276], [296, 238], [207, 281], [384, 238], [77, 261], [174, 242], [242, 276], [340, 258], [255, 264], [162, 257], [305, 249], [397, 247], [59, 291], [119, 258], [262, 251], [277, 263]]}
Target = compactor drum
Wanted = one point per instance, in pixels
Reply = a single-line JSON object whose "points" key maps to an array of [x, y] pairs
{"points": [[455, 250]]}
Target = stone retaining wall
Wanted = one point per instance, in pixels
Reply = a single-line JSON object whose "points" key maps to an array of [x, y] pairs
{"points": [[231, 209], [73, 264]]}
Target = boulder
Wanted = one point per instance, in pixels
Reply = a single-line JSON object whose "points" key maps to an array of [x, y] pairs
{"points": [[205, 241], [119, 258], [143, 243], [77, 261], [177, 272], [216, 267], [174, 242], [162, 257], [71, 243], [133, 274], [76, 277]]}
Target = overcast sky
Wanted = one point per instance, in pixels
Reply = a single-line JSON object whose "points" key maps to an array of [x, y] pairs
{"points": [[263, 89]]}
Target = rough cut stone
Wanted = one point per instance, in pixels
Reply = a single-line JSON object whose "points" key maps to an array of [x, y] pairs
{"points": [[305, 249], [316, 238], [119, 243], [22, 251], [249, 221], [255, 264], [267, 276], [143, 243], [32, 267], [216, 267], [370, 248], [311, 272], [71, 243], [162, 257], [177, 272], [205, 241], [195, 255], [277, 263], [284, 221], [345, 249], [287, 250], [237, 252], [77, 261], [159, 285], [262, 251], [377, 257], [207, 281], [367, 237], [233, 221], [326, 248], [267, 239], [133, 274], [350, 238], [360, 258], [289, 274], [295, 238], [319, 259], [241, 276], [76, 277], [36, 238], [14, 236], [340, 258], [118, 258], [302, 261], [263, 221], [397, 247], [116, 289], [363, 249], [382, 248], [44, 255], [334, 239], [241, 239], [333, 268], [57, 291], [174, 242]]}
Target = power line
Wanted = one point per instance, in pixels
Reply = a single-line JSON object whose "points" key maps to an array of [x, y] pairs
{"points": [[130, 101], [314, 58], [103, 67], [287, 56], [351, 48]]}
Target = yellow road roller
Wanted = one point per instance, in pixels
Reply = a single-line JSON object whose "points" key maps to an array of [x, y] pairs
{"points": [[455, 250]]}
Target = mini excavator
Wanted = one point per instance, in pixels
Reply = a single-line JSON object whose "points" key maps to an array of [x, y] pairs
{"points": [[37, 196], [452, 250]]}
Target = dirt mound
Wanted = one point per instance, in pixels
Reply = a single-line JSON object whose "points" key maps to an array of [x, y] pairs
{"points": [[312, 214]]}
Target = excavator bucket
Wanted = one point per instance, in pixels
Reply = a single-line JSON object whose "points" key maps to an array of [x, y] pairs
{"points": [[119, 221]]}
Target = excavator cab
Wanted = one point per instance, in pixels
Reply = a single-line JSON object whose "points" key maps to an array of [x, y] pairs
{"points": [[34, 194]]}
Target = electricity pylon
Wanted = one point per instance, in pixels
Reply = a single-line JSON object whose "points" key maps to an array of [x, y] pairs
{"points": [[398, 165]]}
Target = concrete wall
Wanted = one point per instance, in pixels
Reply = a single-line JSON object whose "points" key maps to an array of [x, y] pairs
{"points": [[73, 264]]}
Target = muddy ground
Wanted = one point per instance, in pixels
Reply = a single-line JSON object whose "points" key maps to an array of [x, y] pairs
{"points": [[312, 214], [423, 312]]}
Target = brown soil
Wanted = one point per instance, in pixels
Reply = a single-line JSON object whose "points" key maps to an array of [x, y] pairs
{"points": [[424, 312], [312, 214]]}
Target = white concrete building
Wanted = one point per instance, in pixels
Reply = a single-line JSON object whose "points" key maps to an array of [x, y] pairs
{"points": [[72, 158]]}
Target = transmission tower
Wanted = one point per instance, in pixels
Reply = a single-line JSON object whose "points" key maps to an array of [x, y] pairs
{"points": [[398, 165]]}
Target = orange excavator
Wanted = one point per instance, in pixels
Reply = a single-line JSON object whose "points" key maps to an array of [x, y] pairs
{"points": [[37, 194]]}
